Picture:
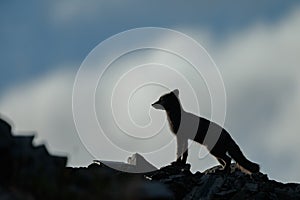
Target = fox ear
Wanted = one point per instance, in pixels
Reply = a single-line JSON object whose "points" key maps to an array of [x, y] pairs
{"points": [[176, 92]]}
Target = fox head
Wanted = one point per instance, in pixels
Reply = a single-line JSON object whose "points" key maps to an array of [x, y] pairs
{"points": [[167, 101]]}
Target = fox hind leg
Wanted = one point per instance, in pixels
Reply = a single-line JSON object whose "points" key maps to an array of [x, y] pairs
{"points": [[225, 161]]}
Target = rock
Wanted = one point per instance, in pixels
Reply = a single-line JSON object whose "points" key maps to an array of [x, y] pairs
{"points": [[140, 163], [252, 187], [135, 164], [209, 185], [148, 190], [6, 159]]}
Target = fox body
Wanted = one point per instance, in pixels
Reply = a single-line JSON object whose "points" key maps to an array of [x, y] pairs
{"points": [[186, 126]]}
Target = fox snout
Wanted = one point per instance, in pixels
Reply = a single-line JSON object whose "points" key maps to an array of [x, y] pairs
{"points": [[157, 105]]}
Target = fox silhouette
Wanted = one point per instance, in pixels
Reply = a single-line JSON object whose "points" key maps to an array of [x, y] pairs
{"points": [[186, 126]]}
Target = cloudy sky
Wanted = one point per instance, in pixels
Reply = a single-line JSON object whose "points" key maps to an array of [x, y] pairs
{"points": [[255, 45]]}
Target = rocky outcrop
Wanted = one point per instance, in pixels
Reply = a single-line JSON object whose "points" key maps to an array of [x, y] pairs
{"points": [[27, 170], [30, 172], [215, 184]]}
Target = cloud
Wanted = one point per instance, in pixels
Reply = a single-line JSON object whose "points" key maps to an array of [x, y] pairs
{"points": [[260, 68]]}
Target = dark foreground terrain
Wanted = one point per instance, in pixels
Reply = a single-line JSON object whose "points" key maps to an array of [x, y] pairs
{"points": [[29, 172]]}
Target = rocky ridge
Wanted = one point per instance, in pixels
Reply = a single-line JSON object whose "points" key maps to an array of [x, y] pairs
{"points": [[29, 172]]}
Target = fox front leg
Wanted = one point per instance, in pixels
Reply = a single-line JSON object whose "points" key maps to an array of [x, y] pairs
{"points": [[184, 157], [182, 151]]}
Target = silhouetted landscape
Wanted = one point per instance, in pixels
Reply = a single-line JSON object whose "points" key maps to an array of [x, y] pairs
{"points": [[29, 172]]}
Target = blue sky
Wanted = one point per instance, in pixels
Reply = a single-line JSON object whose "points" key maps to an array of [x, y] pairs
{"points": [[254, 43], [38, 36]]}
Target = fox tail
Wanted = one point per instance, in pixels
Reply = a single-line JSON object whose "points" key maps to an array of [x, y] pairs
{"points": [[235, 152]]}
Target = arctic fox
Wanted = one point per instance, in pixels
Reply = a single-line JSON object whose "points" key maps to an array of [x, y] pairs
{"points": [[186, 126]]}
